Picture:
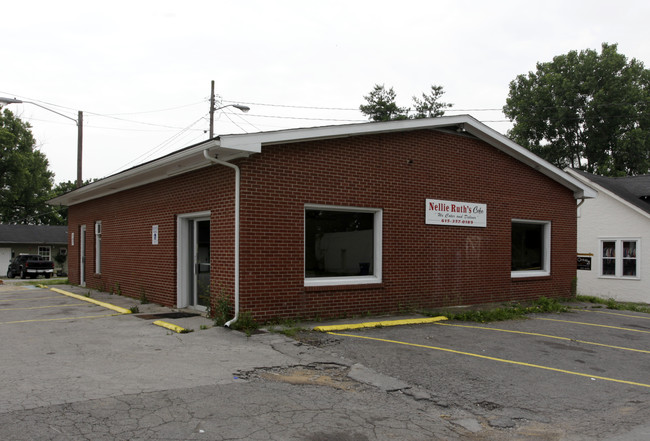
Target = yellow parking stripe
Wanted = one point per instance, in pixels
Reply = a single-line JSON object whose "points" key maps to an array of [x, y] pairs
{"points": [[96, 302], [58, 319], [501, 360], [41, 307], [592, 324], [535, 334], [613, 313]]}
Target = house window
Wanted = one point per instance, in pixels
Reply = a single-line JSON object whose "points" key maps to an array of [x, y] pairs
{"points": [[98, 247], [45, 252], [342, 245], [531, 248], [619, 258]]}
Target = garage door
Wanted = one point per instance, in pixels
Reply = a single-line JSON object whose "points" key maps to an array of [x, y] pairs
{"points": [[5, 257]]}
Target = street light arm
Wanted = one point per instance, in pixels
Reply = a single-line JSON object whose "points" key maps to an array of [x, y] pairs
{"points": [[16, 101], [79, 122], [53, 111], [236, 106]]}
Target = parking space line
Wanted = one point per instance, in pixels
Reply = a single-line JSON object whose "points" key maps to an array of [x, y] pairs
{"points": [[22, 299], [41, 307], [501, 360], [613, 313], [535, 334], [592, 324], [58, 319]]}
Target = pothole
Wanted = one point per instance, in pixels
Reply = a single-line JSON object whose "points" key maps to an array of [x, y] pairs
{"points": [[488, 405], [327, 374]]}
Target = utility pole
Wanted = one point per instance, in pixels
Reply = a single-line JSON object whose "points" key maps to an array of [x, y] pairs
{"points": [[212, 109], [80, 137]]}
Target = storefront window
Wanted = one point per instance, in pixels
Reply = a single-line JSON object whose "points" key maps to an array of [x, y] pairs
{"points": [[342, 245], [530, 248]]}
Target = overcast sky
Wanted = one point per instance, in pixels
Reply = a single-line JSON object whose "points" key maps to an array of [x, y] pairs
{"points": [[141, 70]]}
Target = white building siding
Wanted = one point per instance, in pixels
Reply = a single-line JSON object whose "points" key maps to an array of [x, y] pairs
{"points": [[607, 217]]}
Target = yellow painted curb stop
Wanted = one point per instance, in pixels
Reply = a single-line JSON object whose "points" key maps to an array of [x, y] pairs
{"points": [[171, 327], [96, 302], [379, 324]]}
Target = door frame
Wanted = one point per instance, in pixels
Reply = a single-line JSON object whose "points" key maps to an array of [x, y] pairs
{"points": [[82, 255], [185, 275]]}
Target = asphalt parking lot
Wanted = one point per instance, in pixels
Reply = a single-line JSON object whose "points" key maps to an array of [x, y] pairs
{"points": [[71, 369], [578, 375]]}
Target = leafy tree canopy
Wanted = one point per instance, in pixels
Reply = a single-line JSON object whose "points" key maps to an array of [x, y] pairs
{"points": [[25, 179], [585, 110], [381, 105]]}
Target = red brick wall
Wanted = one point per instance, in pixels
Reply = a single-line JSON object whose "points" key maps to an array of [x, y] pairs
{"points": [[423, 265]]}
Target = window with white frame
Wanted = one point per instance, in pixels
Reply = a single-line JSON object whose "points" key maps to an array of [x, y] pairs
{"points": [[45, 252], [531, 248], [342, 245], [98, 247], [619, 258]]}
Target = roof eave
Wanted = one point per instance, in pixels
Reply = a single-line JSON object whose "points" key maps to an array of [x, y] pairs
{"points": [[229, 147]]}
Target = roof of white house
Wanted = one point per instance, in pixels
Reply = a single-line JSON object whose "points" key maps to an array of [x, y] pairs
{"points": [[34, 234], [632, 190], [230, 147]]}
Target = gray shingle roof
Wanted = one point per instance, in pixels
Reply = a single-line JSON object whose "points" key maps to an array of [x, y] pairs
{"points": [[633, 189], [33, 234]]}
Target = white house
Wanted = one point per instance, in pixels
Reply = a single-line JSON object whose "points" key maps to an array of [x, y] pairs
{"points": [[614, 238]]}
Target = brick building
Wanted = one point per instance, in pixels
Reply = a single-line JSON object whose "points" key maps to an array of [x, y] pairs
{"points": [[329, 221]]}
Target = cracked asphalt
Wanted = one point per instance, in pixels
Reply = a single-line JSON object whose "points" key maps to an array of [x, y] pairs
{"points": [[71, 370]]}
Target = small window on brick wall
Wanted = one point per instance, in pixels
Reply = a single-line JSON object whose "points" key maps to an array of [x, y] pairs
{"points": [[531, 248], [342, 245], [98, 247]]}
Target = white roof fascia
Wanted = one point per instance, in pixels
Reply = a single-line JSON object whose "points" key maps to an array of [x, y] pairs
{"points": [[609, 193], [253, 141], [497, 140], [230, 147], [156, 170]]}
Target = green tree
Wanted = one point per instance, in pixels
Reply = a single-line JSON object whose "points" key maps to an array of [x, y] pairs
{"points": [[59, 215], [25, 179], [430, 106], [585, 110], [381, 105]]}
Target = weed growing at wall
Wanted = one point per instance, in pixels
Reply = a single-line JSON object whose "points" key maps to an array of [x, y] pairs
{"points": [[222, 311], [246, 323], [613, 304], [516, 311], [143, 297]]}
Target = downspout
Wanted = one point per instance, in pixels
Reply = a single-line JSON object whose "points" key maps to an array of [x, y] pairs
{"points": [[582, 201], [237, 192]]}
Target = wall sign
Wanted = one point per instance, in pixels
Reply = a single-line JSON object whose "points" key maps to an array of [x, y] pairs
{"points": [[584, 262], [462, 214], [154, 235]]}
